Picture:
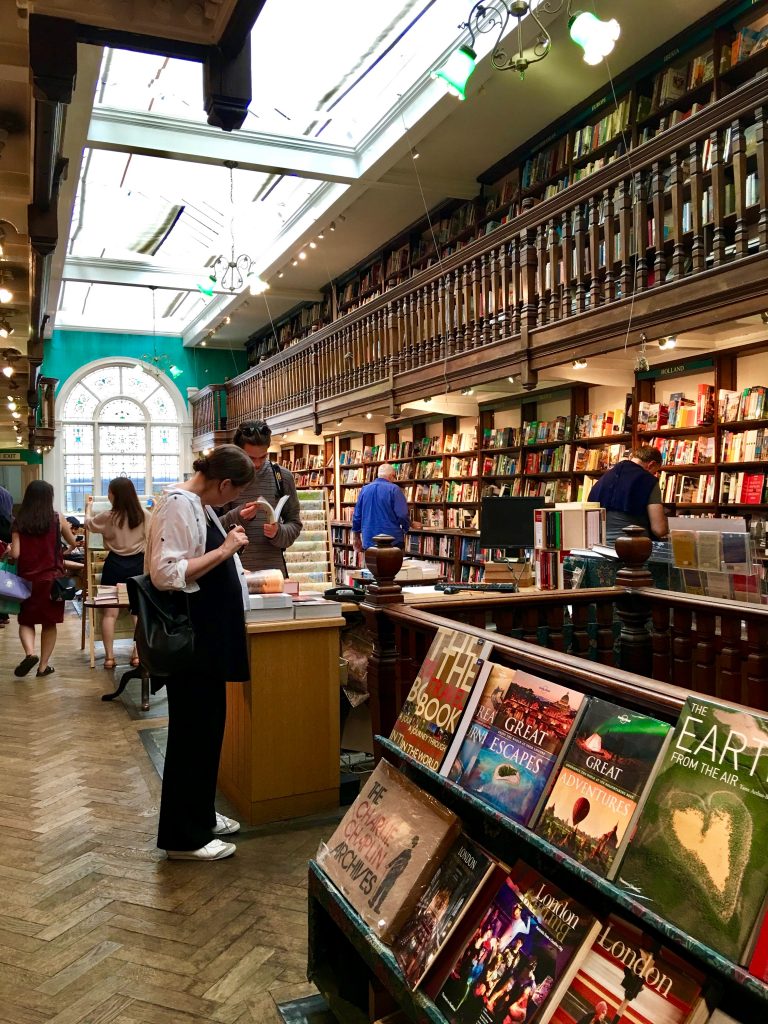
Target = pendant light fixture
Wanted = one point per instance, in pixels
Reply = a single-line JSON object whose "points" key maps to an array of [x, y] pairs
{"points": [[232, 272], [158, 364], [597, 38]]}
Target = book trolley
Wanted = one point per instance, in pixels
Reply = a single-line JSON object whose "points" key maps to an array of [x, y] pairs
{"points": [[359, 975]]}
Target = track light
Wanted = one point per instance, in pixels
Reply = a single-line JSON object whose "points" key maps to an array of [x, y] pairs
{"points": [[280, 273], [333, 226], [6, 295], [415, 154], [5, 329], [8, 371], [369, 415], [16, 415], [321, 236], [339, 422], [467, 391], [203, 344], [579, 364], [667, 343], [302, 255], [764, 316], [313, 245], [294, 263]]}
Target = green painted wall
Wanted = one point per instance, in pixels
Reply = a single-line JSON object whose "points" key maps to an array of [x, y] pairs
{"points": [[68, 350]]}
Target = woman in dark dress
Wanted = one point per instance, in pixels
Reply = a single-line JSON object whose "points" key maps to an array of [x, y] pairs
{"points": [[188, 550], [36, 538]]}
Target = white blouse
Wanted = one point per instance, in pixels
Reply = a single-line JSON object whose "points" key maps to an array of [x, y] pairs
{"points": [[177, 533]]}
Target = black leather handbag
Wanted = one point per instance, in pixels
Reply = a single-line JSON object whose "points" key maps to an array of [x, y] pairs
{"points": [[63, 588], [165, 639]]}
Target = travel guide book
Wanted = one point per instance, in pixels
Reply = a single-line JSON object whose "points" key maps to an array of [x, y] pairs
{"points": [[698, 856], [491, 698], [598, 792], [532, 721], [386, 847], [627, 977], [454, 887], [522, 956], [443, 695]]}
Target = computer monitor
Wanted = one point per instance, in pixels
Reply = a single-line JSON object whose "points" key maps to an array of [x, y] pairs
{"points": [[508, 522]]}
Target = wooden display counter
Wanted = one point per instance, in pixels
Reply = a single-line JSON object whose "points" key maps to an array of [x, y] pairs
{"points": [[280, 757]]}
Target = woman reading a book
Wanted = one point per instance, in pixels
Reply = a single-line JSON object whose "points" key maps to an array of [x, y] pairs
{"points": [[189, 550], [123, 528], [630, 494]]}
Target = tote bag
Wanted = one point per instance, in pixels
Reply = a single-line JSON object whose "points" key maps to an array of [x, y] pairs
{"points": [[165, 640], [13, 589]]}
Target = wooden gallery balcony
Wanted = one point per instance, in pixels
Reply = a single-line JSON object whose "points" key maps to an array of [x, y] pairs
{"points": [[669, 237]]}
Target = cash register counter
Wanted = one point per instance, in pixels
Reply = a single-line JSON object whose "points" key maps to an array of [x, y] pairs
{"points": [[280, 757]]}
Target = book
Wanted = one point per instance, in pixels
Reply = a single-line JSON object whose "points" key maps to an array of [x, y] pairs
{"points": [[523, 744], [442, 694], [627, 976], [521, 957], [598, 793], [386, 847], [684, 548], [494, 690], [708, 550], [271, 512], [313, 607], [698, 855], [453, 887]]}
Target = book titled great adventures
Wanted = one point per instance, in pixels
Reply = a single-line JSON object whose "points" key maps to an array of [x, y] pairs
{"points": [[442, 699], [698, 856], [522, 956], [510, 768], [386, 848], [606, 770]]}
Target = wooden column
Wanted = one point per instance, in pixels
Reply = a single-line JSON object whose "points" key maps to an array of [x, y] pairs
{"points": [[634, 548]]}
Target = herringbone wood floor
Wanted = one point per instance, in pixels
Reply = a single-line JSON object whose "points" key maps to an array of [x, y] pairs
{"points": [[95, 925]]}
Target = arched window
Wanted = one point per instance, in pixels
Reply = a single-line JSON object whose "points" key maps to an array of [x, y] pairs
{"points": [[118, 421]]}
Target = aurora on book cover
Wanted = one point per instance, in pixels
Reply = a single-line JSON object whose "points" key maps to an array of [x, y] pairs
{"points": [[605, 769], [519, 752], [698, 856], [435, 703], [629, 978]]}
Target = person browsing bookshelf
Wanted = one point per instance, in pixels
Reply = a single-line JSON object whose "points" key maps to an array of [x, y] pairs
{"points": [[269, 510], [630, 494], [380, 508], [123, 528]]}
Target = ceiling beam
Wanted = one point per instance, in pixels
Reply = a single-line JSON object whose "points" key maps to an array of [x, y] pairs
{"points": [[175, 139], [139, 274]]}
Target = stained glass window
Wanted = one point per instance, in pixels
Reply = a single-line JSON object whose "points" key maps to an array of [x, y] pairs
{"points": [[122, 410], [116, 439], [165, 440], [81, 404]]}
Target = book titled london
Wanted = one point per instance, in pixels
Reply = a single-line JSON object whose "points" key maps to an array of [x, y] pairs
{"points": [[442, 699], [698, 856], [628, 977], [386, 848], [532, 720], [598, 793], [523, 955], [457, 883]]}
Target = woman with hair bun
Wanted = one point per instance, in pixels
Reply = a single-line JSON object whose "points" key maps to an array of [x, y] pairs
{"points": [[188, 550]]}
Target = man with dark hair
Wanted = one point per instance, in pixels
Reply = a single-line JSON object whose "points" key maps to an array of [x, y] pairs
{"points": [[630, 494], [266, 541]]}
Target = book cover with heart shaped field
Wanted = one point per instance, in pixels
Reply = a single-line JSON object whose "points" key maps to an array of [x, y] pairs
{"points": [[698, 856]]}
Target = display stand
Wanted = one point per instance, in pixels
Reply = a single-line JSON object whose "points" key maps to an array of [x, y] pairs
{"points": [[280, 757], [309, 558]]}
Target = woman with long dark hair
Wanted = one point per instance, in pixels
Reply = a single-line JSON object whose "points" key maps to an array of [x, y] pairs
{"points": [[189, 550], [36, 538], [123, 528]]}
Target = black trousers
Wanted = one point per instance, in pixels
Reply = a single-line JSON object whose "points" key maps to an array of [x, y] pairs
{"points": [[197, 710]]}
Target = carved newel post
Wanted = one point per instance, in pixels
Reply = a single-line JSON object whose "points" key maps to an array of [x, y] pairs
{"points": [[383, 561], [634, 549]]}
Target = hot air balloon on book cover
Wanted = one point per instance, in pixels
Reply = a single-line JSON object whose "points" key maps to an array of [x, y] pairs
{"points": [[599, 790]]}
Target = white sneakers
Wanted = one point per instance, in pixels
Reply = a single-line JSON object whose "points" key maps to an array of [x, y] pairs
{"points": [[225, 826], [215, 850]]}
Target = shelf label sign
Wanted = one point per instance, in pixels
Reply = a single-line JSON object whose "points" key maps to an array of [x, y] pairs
{"points": [[677, 369]]}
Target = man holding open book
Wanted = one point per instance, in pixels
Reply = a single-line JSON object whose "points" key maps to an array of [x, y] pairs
{"points": [[269, 509]]}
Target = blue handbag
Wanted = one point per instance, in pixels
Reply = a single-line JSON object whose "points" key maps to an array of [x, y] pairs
{"points": [[12, 586]]}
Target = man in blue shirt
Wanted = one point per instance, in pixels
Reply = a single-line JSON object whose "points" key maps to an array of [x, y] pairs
{"points": [[381, 508]]}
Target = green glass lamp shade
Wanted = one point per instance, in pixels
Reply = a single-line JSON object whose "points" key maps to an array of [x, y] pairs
{"points": [[597, 38], [456, 71], [174, 371], [206, 287]]}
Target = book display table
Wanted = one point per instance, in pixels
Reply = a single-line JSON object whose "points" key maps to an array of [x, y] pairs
{"points": [[280, 757]]}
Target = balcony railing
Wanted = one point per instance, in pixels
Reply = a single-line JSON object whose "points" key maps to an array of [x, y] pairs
{"points": [[692, 201]]}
